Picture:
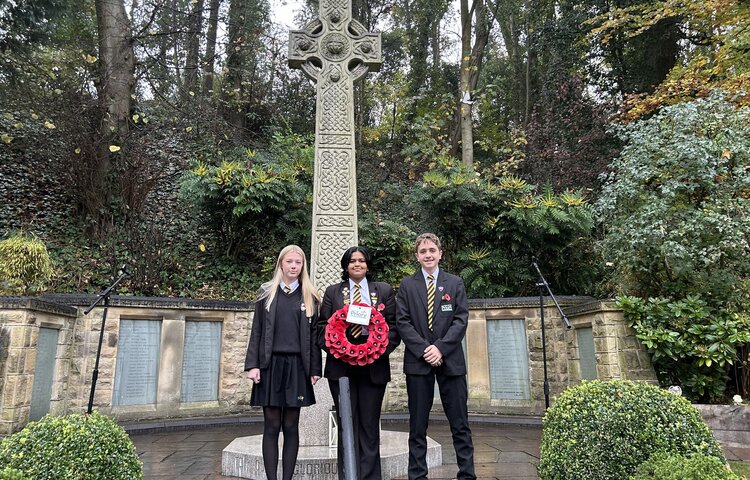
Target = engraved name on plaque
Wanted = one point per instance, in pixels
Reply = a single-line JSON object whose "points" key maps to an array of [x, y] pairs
{"points": [[509, 360], [137, 370], [586, 355], [200, 362], [41, 390]]}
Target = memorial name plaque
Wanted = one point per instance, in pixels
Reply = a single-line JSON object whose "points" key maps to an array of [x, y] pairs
{"points": [[41, 390], [509, 360], [200, 362], [137, 371], [587, 358]]}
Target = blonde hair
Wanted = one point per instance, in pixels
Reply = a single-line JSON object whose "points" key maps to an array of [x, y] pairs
{"points": [[425, 237], [269, 289]]}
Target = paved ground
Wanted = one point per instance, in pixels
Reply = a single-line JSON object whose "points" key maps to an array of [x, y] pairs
{"points": [[504, 447]]}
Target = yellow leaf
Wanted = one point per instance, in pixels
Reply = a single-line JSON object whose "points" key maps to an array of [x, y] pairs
{"points": [[35, 116], [189, 129], [18, 125], [77, 150], [114, 148], [726, 153], [49, 125], [192, 94], [202, 247], [136, 117], [89, 58], [6, 138]]}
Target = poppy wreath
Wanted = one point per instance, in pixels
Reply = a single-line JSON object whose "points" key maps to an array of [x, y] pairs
{"points": [[363, 354]]}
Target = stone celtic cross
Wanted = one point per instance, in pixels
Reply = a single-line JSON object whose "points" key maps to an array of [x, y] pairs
{"points": [[334, 51]]}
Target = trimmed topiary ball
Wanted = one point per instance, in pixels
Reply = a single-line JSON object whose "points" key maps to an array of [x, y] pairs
{"points": [[604, 430], [76, 446], [678, 467]]}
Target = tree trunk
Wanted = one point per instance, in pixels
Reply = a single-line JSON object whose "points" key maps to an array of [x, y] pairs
{"points": [[209, 61], [115, 86], [233, 94], [192, 45], [471, 67]]}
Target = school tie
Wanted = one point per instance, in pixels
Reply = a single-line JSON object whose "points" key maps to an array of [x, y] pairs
{"points": [[287, 290], [357, 329], [430, 300]]}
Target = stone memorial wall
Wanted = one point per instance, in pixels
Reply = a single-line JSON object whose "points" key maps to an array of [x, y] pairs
{"points": [[167, 358]]}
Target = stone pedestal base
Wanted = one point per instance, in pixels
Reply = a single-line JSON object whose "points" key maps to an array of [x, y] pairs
{"points": [[243, 458]]}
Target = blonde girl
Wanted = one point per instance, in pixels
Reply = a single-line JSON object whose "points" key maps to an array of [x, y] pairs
{"points": [[282, 360]]}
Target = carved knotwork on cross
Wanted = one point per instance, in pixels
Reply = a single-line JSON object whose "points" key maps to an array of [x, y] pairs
{"points": [[334, 51]]}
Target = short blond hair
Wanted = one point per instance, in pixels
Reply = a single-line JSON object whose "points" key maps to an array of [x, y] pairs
{"points": [[427, 236]]}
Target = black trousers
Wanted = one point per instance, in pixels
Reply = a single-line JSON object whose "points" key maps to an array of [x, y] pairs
{"points": [[367, 400], [453, 395]]}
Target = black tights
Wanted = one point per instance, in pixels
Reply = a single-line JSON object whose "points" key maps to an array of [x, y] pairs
{"points": [[276, 419]]}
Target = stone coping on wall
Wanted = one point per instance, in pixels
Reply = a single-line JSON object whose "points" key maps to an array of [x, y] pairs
{"points": [[150, 302], [38, 304], [593, 305], [65, 303], [525, 302]]}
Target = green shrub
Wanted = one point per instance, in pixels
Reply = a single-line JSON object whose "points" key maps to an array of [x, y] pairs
{"points": [[9, 473], [253, 202], [604, 430], [491, 229], [679, 467], [25, 264], [77, 446], [692, 344], [675, 204]]}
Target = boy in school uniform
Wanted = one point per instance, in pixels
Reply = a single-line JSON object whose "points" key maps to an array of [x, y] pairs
{"points": [[431, 315]]}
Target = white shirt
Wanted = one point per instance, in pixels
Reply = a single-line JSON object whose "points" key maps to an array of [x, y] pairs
{"points": [[292, 287], [364, 290], [434, 276]]}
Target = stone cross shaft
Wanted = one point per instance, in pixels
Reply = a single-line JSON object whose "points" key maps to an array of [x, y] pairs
{"points": [[334, 51]]}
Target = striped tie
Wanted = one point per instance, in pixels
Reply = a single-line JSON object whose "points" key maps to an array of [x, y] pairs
{"points": [[430, 300], [287, 290], [357, 329]]}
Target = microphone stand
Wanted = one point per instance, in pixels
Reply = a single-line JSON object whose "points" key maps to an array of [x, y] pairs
{"points": [[544, 286], [102, 296]]}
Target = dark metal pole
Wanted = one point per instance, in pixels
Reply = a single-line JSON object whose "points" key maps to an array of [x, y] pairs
{"points": [[544, 286], [95, 375], [544, 345], [102, 296], [347, 430]]}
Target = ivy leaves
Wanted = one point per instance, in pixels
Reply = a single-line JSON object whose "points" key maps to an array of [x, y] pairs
{"points": [[676, 203]]}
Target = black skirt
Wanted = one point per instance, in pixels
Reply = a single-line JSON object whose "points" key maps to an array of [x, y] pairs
{"points": [[283, 384]]}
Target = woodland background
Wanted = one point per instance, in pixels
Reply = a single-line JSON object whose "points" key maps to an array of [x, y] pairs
{"points": [[609, 139]]}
